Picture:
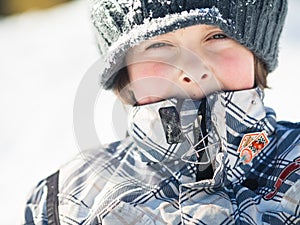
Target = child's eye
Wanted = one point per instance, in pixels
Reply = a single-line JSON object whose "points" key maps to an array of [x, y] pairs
{"points": [[158, 45], [157, 50], [217, 36]]}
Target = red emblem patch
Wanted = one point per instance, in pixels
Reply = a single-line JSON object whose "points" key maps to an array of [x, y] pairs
{"points": [[252, 144]]}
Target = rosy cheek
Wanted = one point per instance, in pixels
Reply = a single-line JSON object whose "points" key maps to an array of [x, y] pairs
{"points": [[146, 70], [236, 70], [149, 81]]}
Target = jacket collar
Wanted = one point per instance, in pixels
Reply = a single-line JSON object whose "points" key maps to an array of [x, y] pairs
{"points": [[229, 116]]}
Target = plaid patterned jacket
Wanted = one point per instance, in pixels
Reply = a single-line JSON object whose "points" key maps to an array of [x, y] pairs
{"points": [[119, 185]]}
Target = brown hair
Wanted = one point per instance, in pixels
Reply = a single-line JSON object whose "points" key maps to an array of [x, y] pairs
{"points": [[121, 87], [122, 90], [260, 73]]}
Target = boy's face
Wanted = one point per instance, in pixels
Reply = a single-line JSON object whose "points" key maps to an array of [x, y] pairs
{"points": [[190, 62]]}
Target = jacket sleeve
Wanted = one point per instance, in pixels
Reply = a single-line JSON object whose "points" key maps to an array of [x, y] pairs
{"points": [[42, 206], [291, 175], [36, 210]]}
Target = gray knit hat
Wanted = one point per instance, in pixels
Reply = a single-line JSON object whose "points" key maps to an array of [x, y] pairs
{"points": [[121, 24]]}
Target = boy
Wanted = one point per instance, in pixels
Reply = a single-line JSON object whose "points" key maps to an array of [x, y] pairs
{"points": [[202, 148]]}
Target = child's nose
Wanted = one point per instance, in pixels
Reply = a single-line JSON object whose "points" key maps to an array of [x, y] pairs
{"points": [[195, 72], [193, 67]]}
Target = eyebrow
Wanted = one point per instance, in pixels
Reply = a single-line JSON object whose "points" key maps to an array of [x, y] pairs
{"points": [[172, 33]]}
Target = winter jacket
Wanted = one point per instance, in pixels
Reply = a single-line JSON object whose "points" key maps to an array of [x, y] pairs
{"points": [[121, 184]]}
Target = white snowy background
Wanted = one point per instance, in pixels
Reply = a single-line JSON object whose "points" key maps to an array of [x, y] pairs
{"points": [[43, 57]]}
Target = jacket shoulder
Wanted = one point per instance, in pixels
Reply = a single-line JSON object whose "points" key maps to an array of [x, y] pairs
{"points": [[288, 132], [79, 182], [287, 140], [289, 125]]}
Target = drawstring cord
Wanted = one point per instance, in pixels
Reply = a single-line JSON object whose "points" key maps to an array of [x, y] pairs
{"points": [[204, 171]]}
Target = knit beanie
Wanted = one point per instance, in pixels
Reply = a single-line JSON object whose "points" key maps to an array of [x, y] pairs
{"points": [[122, 24]]}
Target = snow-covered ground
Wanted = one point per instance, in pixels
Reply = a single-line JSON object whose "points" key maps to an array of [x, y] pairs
{"points": [[43, 57]]}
